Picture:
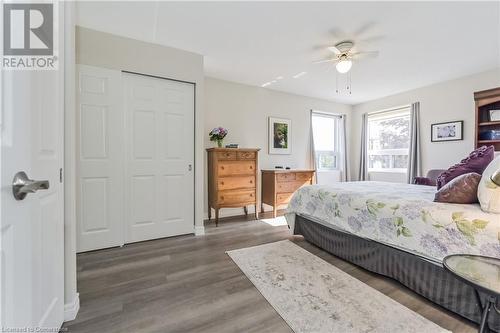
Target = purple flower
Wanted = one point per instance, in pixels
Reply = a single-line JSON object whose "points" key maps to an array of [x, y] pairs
{"points": [[354, 223], [387, 227], [455, 237], [218, 133], [411, 211], [364, 215], [433, 244], [343, 199], [490, 250]]}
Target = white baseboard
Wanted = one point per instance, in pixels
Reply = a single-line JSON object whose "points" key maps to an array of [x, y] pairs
{"points": [[199, 230], [71, 309]]}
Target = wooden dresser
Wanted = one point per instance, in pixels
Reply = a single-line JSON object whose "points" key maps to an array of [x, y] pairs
{"points": [[232, 179], [278, 186]]}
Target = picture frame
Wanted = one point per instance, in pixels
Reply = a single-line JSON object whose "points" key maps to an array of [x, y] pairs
{"points": [[280, 134], [448, 131]]}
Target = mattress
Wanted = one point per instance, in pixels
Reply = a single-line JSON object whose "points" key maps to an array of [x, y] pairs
{"points": [[403, 216]]}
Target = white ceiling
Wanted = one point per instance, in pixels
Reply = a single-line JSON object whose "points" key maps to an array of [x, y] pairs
{"points": [[420, 43]]}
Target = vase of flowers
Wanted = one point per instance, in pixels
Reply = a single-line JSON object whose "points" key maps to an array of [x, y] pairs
{"points": [[218, 134]]}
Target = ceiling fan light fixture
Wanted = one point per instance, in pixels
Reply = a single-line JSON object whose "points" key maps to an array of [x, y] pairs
{"points": [[344, 66]]}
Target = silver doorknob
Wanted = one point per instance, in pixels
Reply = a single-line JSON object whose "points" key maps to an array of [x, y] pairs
{"points": [[22, 185]]}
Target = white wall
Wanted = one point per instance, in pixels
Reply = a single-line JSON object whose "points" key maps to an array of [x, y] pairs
{"points": [[446, 101], [244, 111], [105, 50]]}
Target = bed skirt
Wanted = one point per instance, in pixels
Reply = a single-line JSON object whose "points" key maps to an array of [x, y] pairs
{"points": [[423, 277]]}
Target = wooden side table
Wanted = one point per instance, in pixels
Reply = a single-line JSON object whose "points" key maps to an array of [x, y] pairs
{"points": [[278, 186]]}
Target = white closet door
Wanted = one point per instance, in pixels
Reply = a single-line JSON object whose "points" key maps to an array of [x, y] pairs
{"points": [[159, 193], [100, 153]]}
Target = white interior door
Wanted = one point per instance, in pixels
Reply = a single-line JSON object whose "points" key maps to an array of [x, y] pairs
{"points": [[100, 151], [159, 193], [32, 230]]}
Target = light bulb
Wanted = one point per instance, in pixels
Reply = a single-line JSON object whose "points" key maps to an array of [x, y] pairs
{"points": [[343, 66]]}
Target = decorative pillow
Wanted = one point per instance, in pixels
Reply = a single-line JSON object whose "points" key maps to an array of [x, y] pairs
{"points": [[462, 189], [476, 162], [423, 181], [488, 192]]}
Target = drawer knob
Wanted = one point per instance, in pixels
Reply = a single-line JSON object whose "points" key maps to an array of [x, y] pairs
{"points": [[251, 182], [251, 195], [222, 198], [222, 183], [222, 168]]}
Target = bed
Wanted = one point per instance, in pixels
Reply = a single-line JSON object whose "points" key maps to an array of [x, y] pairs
{"points": [[398, 231]]}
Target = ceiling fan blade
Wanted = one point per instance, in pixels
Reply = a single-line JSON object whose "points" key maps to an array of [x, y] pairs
{"points": [[323, 61], [334, 49], [361, 55]]}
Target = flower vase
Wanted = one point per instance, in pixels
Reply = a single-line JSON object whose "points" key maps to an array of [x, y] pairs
{"points": [[219, 143]]}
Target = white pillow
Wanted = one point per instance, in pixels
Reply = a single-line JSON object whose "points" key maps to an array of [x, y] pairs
{"points": [[488, 192]]}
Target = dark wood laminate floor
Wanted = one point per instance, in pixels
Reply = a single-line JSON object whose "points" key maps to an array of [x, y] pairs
{"points": [[189, 284]]}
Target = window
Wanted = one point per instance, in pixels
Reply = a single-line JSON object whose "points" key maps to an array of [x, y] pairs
{"points": [[389, 140], [326, 136]]}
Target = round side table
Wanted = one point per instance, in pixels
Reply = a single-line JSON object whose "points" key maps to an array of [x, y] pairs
{"points": [[483, 274]]}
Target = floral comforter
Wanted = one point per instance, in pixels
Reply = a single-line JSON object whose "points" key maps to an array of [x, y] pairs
{"points": [[400, 215]]}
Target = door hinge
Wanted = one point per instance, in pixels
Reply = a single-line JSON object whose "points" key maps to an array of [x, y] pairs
{"points": [[60, 175]]}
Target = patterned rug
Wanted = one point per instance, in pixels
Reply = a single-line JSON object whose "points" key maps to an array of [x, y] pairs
{"points": [[312, 295]]}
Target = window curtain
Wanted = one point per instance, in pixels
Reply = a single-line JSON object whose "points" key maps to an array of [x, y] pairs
{"points": [[312, 157], [363, 160], [344, 167], [414, 156]]}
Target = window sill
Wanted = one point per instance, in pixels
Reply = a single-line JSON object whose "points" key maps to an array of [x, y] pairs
{"points": [[387, 171]]}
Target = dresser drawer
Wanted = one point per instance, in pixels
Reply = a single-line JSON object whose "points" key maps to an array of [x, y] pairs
{"points": [[226, 155], [303, 176], [236, 197], [283, 198], [231, 183], [289, 187], [246, 155], [285, 177], [231, 168]]}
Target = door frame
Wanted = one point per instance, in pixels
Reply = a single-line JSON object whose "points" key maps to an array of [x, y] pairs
{"points": [[71, 296]]}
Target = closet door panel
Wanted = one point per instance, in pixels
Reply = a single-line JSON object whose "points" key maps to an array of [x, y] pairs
{"points": [[100, 158], [160, 179]]}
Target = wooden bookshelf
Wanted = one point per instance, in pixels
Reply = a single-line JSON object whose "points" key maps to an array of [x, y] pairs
{"points": [[486, 100]]}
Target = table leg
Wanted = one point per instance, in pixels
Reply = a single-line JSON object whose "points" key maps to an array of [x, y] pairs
{"points": [[486, 311]]}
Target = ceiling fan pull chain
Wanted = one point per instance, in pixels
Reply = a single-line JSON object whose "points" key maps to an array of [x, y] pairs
{"points": [[337, 82]]}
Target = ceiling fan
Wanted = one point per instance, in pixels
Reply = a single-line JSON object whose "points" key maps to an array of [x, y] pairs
{"points": [[344, 55]]}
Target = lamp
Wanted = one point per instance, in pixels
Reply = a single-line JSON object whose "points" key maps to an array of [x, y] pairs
{"points": [[344, 64], [495, 177]]}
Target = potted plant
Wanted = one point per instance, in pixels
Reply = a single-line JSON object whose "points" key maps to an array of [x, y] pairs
{"points": [[218, 134]]}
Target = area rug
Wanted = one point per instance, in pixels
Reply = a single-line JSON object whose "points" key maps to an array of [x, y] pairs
{"points": [[312, 295]]}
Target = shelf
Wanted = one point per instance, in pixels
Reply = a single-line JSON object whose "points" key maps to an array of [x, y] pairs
{"points": [[488, 141], [489, 123]]}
